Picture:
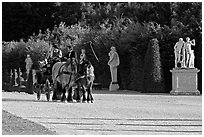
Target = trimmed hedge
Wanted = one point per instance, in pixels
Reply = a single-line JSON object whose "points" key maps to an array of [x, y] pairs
{"points": [[152, 77], [131, 40]]}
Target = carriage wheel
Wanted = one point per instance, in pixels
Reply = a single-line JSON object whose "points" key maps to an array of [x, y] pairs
{"points": [[37, 90], [48, 95], [38, 94]]}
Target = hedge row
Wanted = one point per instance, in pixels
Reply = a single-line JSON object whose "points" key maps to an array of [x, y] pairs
{"points": [[130, 38]]}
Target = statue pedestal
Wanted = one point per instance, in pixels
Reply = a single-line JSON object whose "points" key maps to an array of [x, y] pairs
{"points": [[113, 86], [184, 81]]}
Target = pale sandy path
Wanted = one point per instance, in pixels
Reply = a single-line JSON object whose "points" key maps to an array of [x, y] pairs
{"points": [[115, 113]]}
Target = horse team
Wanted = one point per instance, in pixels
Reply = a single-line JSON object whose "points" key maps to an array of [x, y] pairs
{"points": [[65, 82]]}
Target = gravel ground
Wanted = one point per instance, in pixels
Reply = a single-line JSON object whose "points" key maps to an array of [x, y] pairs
{"points": [[112, 113], [14, 125]]}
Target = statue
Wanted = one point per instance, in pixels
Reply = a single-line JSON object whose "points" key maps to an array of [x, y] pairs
{"points": [[187, 52], [34, 76], [185, 79], [113, 63], [15, 77], [177, 51], [11, 79], [29, 64], [20, 78], [20, 73], [192, 58]]}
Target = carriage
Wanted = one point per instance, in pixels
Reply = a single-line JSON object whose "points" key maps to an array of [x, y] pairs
{"points": [[64, 77], [42, 80]]}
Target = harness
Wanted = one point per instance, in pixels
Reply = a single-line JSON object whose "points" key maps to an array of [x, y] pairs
{"points": [[80, 78], [89, 73], [63, 72]]}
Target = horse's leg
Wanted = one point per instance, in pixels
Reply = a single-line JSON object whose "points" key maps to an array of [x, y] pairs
{"points": [[69, 98], [63, 98], [47, 89], [84, 94], [90, 92], [54, 97], [38, 92], [63, 94], [77, 90], [48, 93]]}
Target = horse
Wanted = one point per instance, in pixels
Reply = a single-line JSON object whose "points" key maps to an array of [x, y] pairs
{"points": [[63, 76], [42, 81], [85, 83]]}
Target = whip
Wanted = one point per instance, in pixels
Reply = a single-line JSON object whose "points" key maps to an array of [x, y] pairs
{"points": [[93, 51]]}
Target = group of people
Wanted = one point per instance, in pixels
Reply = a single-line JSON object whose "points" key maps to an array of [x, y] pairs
{"points": [[184, 54], [55, 55]]}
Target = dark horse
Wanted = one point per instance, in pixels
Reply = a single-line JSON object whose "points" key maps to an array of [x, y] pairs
{"points": [[85, 83], [63, 76]]}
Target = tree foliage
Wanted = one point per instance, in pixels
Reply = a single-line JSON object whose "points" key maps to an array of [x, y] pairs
{"points": [[152, 77], [129, 26], [22, 19]]}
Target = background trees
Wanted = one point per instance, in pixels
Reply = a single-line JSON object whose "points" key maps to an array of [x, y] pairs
{"points": [[22, 19], [127, 25]]}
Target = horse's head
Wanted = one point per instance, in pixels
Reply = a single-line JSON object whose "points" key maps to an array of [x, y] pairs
{"points": [[71, 66], [74, 65], [88, 68]]}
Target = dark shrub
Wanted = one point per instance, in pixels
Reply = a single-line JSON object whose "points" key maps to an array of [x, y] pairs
{"points": [[152, 76]]}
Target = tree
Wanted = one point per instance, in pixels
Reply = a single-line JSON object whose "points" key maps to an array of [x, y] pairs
{"points": [[127, 25], [22, 19], [152, 77], [69, 12]]}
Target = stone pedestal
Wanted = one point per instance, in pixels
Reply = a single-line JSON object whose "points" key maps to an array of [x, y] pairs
{"points": [[184, 81], [113, 86]]}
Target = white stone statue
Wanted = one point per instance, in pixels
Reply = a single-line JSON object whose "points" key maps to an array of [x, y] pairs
{"points": [[34, 76], [21, 79], [192, 58], [20, 73], [113, 63], [178, 51], [15, 77], [29, 64], [187, 52], [11, 78]]}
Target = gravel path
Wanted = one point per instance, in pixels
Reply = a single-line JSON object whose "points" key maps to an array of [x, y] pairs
{"points": [[14, 125], [112, 113]]}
